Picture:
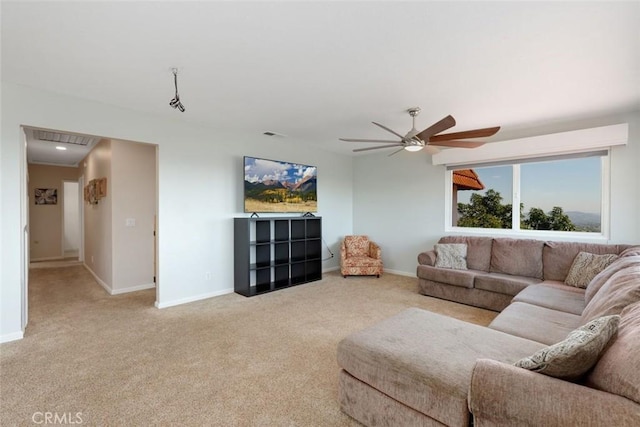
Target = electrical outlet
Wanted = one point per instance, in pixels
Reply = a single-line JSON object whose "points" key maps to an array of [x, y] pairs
{"points": [[207, 275], [91, 259]]}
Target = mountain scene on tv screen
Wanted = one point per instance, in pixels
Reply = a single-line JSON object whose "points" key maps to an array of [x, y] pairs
{"points": [[273, 186]]}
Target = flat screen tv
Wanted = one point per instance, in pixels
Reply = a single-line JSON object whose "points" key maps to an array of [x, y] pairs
{"points": [[277, 186]]}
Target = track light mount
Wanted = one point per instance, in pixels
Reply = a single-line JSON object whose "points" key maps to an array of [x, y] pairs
{"points": [[175, 102]]}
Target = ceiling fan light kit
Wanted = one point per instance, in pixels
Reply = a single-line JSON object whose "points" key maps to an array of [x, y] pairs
{"points": [[415, 141], [414, 148]]}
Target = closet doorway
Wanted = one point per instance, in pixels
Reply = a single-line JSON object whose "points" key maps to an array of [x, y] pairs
{"points": [[71, 220]]}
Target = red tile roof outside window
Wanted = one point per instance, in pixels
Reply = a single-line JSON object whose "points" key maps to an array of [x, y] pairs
{"points": [[467, 179]]}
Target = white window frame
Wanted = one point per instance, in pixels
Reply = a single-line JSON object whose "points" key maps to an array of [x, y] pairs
{"points": [[515, 230], [551, 145]]}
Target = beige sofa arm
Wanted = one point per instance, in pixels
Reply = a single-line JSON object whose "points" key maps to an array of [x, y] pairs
{"points": [[502, 394], [427, 258]]}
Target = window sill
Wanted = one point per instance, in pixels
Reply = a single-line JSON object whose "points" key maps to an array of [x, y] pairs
{"points": [[572, 236]]}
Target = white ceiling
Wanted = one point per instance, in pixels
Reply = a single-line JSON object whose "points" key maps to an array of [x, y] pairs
{"points": [[317, 71]]}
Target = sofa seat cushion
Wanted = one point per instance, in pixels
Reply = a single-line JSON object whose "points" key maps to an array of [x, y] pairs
{"points": [[617, 370], [424, 360], [535, 323], [554, 295], [361, 261], [462, 278], [503, 283]]}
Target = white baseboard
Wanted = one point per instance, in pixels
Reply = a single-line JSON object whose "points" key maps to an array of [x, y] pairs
{"points": [[133, 288], [11, 337], [193, 299], [119, 291], [400, 273], [99, 280], [386, 270], [49, 258]]}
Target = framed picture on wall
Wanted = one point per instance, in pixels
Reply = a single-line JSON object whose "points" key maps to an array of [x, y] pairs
{"points": [[102, 188], [46, 196], [93, 192]]}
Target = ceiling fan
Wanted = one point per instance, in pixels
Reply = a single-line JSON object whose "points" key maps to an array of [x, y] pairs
{"points": [[416, 141]]}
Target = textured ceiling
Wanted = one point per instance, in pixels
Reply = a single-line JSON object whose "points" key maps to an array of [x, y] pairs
{"points": [[317, 71]]}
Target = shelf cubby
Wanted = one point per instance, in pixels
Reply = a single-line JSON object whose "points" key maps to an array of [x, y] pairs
{"points": [[281, 253], [298, 231]]}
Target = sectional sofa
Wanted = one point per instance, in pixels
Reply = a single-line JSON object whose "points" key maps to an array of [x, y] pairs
{"points": [[421, 368]]}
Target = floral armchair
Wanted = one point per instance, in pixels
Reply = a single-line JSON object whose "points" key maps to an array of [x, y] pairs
{"points": [[359, 256]]}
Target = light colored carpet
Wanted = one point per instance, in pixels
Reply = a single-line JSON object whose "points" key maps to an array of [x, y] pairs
{"points": [[230, 361]]}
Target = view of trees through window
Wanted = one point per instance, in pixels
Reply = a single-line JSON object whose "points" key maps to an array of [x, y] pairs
{"points": [[561, 195]]}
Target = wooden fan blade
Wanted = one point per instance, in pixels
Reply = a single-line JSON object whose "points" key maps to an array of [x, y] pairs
{"points": [[476, 133], [396, 152], [377, 148], [389, 130], [387, 141], [442, 125], [461, 144]]}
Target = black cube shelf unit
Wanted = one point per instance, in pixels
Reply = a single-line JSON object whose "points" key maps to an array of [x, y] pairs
{"points": [[275, 253]]}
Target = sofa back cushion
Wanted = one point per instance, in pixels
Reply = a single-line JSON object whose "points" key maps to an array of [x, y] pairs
{"points": [[623, 261], [518, 257], [622, 289], [557, 257], [630, 251], [617, 370], [356, 245], [478, 250]]}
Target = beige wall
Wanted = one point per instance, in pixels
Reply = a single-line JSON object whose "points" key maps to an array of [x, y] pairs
{"points": [[121, 254], [45, 221], [133, 192], [200, 187], [97, 218]]}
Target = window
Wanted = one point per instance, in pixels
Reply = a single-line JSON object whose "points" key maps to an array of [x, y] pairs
{"points": [[553, 194]]}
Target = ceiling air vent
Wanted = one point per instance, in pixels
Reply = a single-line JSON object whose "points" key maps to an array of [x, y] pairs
{"points": [[44, 135]]}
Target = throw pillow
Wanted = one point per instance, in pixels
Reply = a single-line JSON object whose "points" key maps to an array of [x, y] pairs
{"points": [[576, 354], [451, 255], [586, 266]]}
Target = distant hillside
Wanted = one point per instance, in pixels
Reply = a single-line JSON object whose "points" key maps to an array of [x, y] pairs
{"points": [[584, 221]]}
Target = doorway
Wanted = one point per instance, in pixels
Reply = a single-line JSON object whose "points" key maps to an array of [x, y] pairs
{"points": [[84, 231], [71, 220]]}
